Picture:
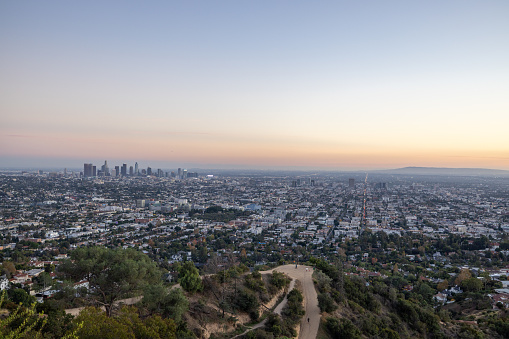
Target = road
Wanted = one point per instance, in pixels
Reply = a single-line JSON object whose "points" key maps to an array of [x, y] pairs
{"points": [[308, 328]]}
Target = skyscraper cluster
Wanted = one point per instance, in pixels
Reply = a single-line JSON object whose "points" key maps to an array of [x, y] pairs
{"points": [[90, 170]]}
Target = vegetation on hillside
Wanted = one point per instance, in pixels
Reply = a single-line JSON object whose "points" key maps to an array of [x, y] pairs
{"points": [[354, 307]]}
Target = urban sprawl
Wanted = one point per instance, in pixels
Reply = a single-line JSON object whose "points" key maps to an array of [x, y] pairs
{"points": [[425, 228]]}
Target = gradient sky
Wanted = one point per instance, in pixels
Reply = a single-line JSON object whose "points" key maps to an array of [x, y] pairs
{"points": [[262, 84]]}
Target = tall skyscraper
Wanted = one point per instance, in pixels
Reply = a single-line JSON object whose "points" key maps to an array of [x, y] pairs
{"points": [[105, 169], [124, 170], [117, 171], [149, 171], [94, 171], [131, 171], [87, 170], [179, 173], [136, 169]]}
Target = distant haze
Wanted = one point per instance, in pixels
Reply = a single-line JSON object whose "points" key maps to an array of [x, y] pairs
{"points": [[255, 84]]}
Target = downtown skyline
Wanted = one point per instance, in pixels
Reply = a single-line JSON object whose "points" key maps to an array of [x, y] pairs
{"points": [[344, 86]]}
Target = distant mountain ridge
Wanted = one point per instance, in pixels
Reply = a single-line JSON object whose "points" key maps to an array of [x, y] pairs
{"points": [[445, 171]]}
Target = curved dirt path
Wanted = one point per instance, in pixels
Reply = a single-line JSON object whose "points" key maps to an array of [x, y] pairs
{"points": [[311, 320], [277, 310]]}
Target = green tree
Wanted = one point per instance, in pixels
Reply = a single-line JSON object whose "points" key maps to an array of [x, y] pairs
{"points": [[43, 281], [343, 328], [8, 269], [326, 303], [472, 285], [21, 322], [20, 296], [112, 273], [172, 303], [190, 279], [96, 324]]}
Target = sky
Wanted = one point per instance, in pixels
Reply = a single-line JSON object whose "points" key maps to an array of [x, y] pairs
{"points": [[334, 85]]}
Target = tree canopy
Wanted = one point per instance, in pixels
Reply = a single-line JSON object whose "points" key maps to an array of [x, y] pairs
{"points": [[190, 279], [111, 273]]}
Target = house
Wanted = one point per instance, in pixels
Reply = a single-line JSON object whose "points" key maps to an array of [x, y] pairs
{"points": [[440, 297]]}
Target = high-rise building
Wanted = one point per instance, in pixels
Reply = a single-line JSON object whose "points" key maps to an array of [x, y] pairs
{"points": [[136, 169], [117, 171], [87, 170], [131, 171], [124, 170], [94, 171], [184, 174], [179, 173], [149, 171], [105, 169]]}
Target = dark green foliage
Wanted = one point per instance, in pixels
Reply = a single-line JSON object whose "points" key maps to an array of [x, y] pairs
{"points": [[388, 333], [274, 325], [169, 303], [293, 309], [254, 282], [111, 273], [22, 322], [326, 303], [342, 329], [20, 296], [323, 282], [418, 318], [58, 322], [190, 279], [425, 291], [331, 271], [277, 281], [217, 213], [500, 325], [407, 312], [127, 324], [471, 285], [246, 301], [231, 273], [467, 331], [356, 290]]}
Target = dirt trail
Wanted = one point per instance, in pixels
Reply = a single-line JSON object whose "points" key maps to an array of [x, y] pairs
{"points": [[311, 320]]}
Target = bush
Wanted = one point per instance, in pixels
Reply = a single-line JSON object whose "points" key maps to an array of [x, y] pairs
{"points": [[342, 328], [246, 301], [293, 309], [323, 282], [326, 303]]}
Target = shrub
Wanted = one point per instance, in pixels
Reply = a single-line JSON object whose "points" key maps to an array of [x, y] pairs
{"points": [[342, 328], [326, 303]]}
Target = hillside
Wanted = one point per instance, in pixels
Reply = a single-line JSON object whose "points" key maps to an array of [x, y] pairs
{"points": [[442, 171], [354, 307]]}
